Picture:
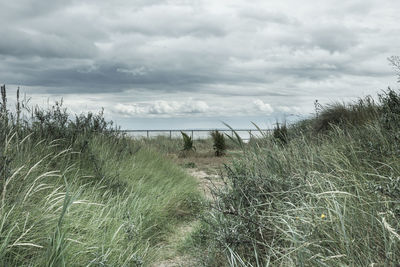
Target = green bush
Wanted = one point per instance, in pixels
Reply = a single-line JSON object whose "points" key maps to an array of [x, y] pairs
{"points": [[280, 133], [390, 109], [52, 123], [339, 114], [187, 143], [219, 145]]}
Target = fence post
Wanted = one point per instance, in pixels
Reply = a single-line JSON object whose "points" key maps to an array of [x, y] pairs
{"points": [[170, 134], [147, 134], [192, 134]]}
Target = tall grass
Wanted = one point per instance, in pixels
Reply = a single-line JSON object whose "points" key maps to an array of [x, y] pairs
{"points": [[75, 193], [326, 198]]}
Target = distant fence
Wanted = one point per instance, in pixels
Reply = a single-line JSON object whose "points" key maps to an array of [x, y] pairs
{"points": [[245, 134]]}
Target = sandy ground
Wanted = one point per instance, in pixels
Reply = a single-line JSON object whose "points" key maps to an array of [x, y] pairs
{"points": [[206, 183]]}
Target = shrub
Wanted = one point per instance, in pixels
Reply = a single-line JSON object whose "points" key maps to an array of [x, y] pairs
{"points": [[389, 109], [340, 114], [187, 143], [219, 143], [281, 133], [52, 123], [190, 165], [55, 122]]}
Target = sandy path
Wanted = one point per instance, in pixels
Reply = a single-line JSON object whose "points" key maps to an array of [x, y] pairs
{"points": [[206, 183]]}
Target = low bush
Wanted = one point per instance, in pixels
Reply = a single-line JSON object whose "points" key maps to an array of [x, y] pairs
{"points": [[389, 109], [280, 133], [187, 143], [219, 145], [339, 114]]}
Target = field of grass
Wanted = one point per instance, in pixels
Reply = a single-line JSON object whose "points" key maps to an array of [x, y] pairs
{"points": [[322, 192], [326, 196], [86, 198]]}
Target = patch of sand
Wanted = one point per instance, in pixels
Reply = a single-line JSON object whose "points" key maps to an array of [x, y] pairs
{"points": [[206, 183]]}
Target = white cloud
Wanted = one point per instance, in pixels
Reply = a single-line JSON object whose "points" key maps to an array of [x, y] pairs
{"points": [[264, 107], [162, 107], [286, 110]]}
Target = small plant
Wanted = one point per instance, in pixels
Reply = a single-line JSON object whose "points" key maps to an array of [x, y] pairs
{"points": [[187, 143], [281, 133], [3, 107], [219, 143], [389, 109], [317, 107], [190, 165]]}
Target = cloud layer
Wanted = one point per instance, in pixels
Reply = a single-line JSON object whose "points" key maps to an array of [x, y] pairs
{"points": [[184, 57], [162, 107]]}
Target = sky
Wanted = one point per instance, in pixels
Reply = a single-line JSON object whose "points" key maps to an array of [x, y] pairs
{"points": [[155, 64]]}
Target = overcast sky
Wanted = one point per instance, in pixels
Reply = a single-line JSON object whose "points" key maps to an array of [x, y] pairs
{"points": [[185, 64]]}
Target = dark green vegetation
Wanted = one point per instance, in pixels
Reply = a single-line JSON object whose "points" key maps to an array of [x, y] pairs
{"points": [[329, 197], [219, 145], [74, 192], [280, 133], [187, 143]]}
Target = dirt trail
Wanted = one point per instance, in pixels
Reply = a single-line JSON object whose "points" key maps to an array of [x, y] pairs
{"points": [[206, 182]]}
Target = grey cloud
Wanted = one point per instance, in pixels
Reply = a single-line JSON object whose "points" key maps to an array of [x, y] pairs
{"points": [[281, 50], [171, 22], [23, 44], [23, 9], [102, 77], [334, 38], [263, 15]]}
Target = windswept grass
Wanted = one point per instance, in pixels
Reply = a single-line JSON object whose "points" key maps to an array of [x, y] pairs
{"points": [[106, 206], [327, 198], [88, 198]]}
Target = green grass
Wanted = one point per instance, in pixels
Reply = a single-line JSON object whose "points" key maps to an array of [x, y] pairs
{"points": [[75, 192], [327, 198], [122, 202]]}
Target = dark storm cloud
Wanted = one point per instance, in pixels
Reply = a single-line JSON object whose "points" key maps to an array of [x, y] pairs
{"points": [[27, 9], [22, 44]]}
